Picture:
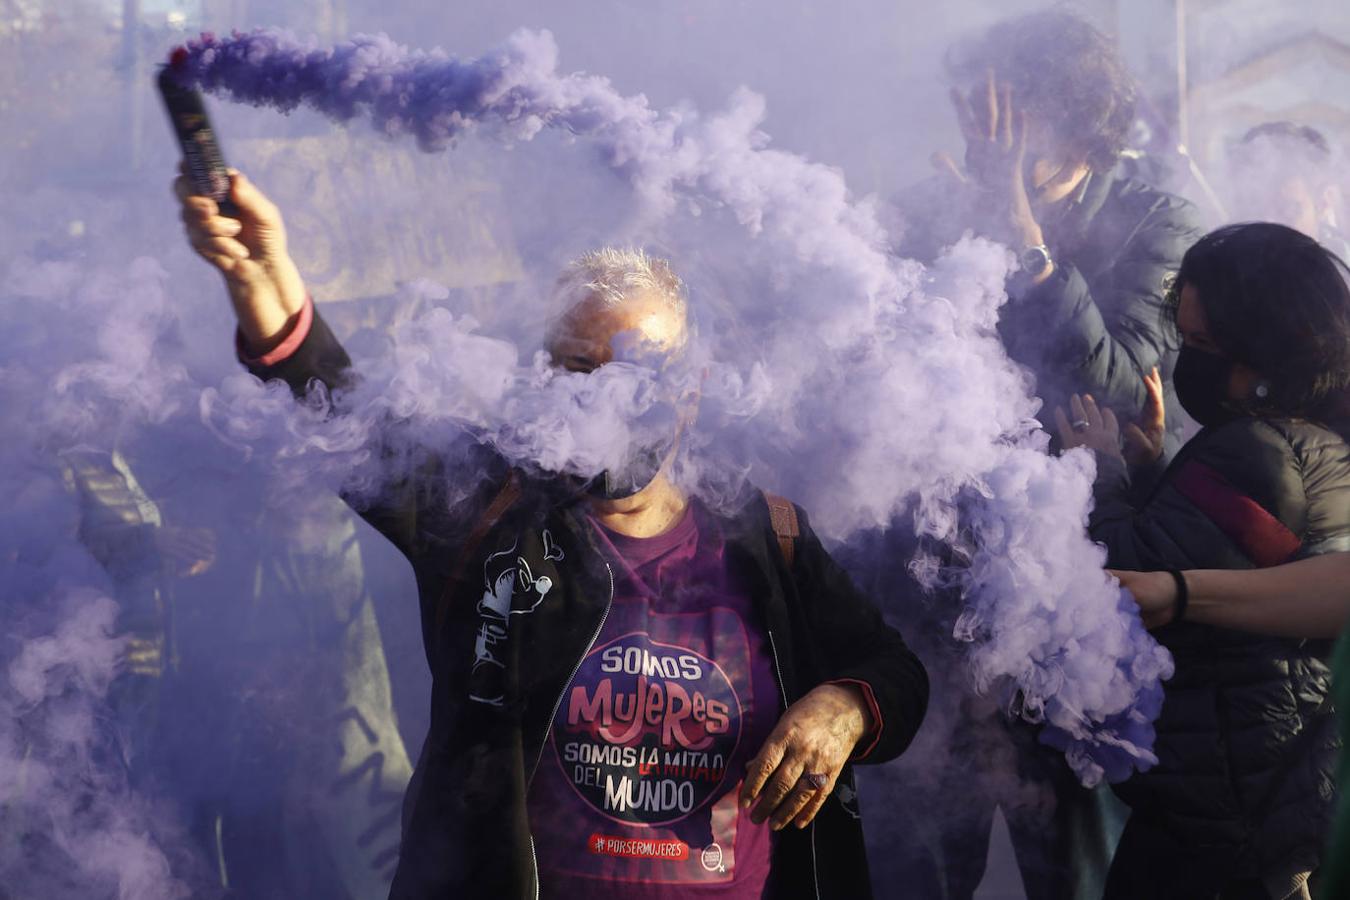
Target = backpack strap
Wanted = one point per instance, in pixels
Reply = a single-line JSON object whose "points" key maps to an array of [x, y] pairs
{"points": [[783, 518], [506, 498]]}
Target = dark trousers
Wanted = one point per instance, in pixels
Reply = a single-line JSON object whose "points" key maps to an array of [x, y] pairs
{"points": [[1152, 863]]}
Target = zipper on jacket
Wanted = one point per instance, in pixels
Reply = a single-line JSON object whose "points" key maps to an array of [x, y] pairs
{"points": [[557, 703], [777, 670], [815, 869], [534, 864], [782, 690]]}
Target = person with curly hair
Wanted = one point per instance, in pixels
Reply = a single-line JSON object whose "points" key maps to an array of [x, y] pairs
{"points": [[1045, 106]]}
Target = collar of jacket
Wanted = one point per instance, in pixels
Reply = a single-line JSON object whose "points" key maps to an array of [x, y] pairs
{"points": [[1076, 215]]}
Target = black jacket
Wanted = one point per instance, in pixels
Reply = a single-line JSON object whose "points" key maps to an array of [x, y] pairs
{"points": [[466, 829], [1096, 325], [1247, 740]]}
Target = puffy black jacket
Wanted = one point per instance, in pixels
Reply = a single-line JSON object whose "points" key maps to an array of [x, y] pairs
{"points": [[1247, 741], [466, 831], [1096, 325]]}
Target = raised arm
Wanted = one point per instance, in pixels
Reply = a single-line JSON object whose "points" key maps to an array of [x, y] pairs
{"points": [[282, 336], [250, 253], [1103, 338]]}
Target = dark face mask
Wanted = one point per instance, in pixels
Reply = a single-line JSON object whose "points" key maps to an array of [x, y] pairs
{"points": [[1201, 380]]}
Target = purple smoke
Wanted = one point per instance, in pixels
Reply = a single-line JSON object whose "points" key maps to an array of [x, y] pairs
{"points": [[71, 815], [98, 392], [864, 386]]}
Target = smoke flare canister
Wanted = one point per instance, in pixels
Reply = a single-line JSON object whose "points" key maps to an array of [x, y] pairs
{"points": [[201, 152]]}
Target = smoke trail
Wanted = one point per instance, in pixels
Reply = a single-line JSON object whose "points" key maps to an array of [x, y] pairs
{"points": [[876, 387]]}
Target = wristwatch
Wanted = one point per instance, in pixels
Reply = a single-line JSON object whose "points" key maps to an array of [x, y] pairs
{"points": [[1035, 260]]}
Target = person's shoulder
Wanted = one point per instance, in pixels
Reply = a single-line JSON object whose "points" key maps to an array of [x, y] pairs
{"points": [[1244, 476], [1126, 187], [1278, 430], [754, 511], [1155, 204], [1247, 433], [1285, 465], [748, 505], [1314, 444], [1261, 456]]}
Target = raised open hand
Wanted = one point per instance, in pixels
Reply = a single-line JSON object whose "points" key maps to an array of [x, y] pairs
{"points": [[1091, 426], [996, 148], [1144, 437]]}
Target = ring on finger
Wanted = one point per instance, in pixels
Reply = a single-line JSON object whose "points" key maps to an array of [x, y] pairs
{"points": [[1080, 425], [814, 781]]}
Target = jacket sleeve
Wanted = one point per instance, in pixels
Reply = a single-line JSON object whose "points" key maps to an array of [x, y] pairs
{"points": [[310, 353], [1102, 338], [1233, 501], [412, 512], [859, 647]]}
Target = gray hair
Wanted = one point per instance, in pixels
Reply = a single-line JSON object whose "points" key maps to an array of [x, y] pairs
{"points": [[616, 274]]}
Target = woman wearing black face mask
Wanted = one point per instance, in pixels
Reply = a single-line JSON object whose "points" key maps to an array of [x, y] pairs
{"points": [[1240, 802]]}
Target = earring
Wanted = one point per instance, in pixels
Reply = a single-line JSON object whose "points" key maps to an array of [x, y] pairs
{"points": [[1262, 390]]}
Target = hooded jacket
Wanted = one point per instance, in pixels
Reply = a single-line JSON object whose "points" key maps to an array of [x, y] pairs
{"points": [[466, 828]]}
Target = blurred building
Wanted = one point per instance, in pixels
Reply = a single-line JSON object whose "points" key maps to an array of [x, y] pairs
{"points": [[1217, 68]]}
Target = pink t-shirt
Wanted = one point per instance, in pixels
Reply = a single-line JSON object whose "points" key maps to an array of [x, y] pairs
{"points": [[636, 793]]}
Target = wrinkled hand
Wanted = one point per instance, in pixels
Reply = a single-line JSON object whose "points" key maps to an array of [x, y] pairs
{"points": [[996, 149], [1091, 427], [1144, 437], [1155, 592], [816, 734]]}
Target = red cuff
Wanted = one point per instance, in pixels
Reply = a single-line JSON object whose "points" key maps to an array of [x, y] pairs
{"points": [[283, 351], [877, 723]]}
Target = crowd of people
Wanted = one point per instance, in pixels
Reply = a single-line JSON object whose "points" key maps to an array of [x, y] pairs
{"points": [[703, 681]]}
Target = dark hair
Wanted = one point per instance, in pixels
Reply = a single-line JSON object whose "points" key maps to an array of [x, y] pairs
{"points": [[1278, 301], [1308, 138], [1064, 72], [1301, 149]]}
